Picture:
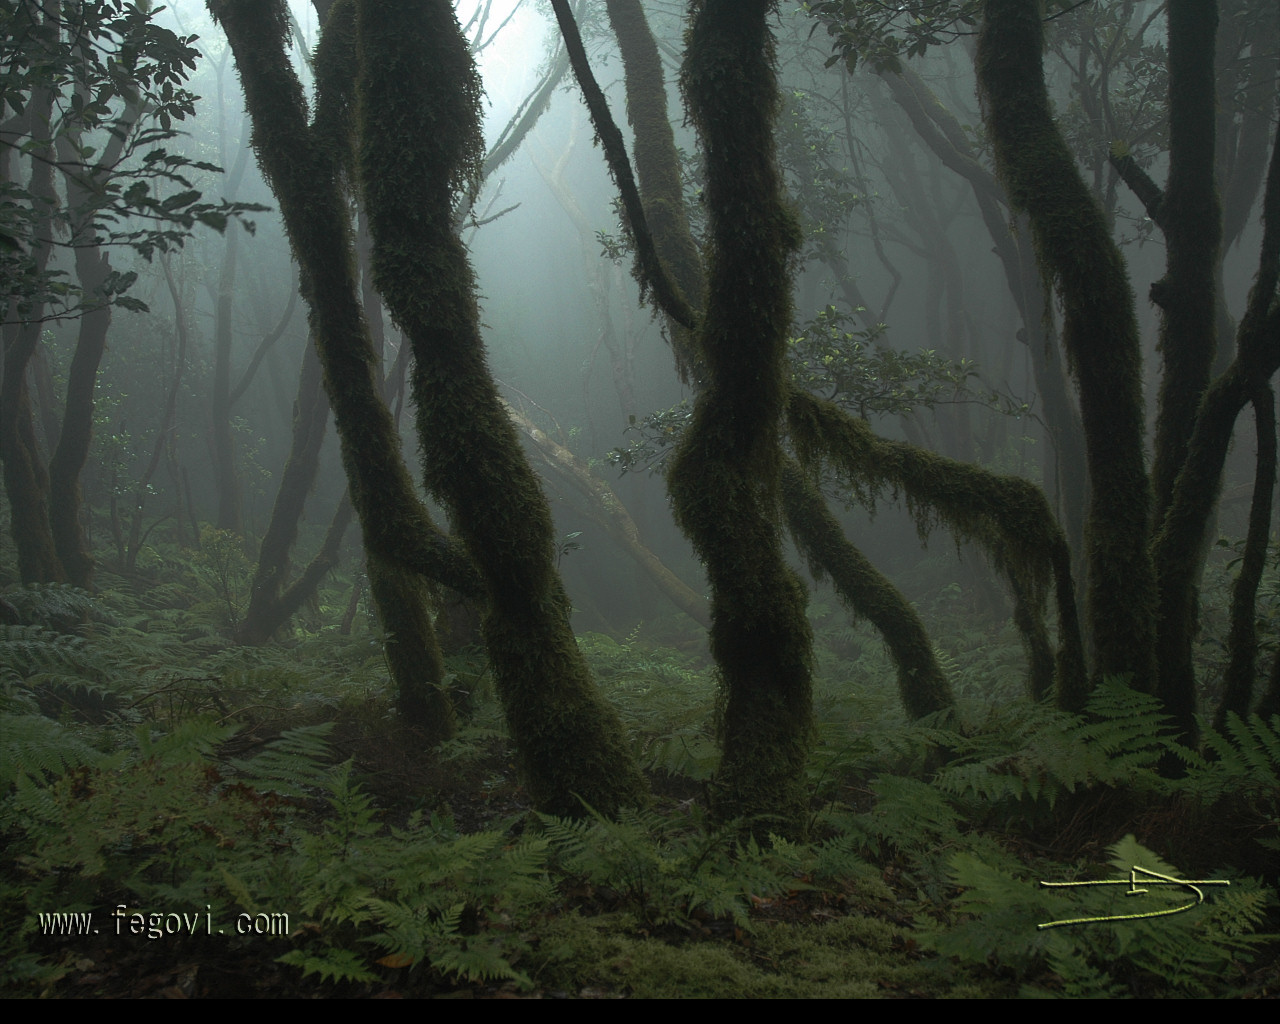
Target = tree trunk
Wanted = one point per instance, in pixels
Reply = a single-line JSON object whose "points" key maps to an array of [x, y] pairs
{"points": [[310, 413], [1100, 333], [725, 478], [419, 142], [26, 480], [1242, 640], [922, 685], [302, 167]]}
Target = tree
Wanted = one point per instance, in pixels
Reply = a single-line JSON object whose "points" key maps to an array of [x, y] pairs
{"points": [[71, 76], [1145, 533], [570, 745]]}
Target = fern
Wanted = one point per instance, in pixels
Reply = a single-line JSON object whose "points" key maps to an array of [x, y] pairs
{"points": [[56, 606], [1244, 763], [332, 963], [294, 765], [671, 877], [26, 651], [1187, 952], [33, 746], [1027, 755]]}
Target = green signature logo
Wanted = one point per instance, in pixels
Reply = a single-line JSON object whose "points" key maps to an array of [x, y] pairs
{"points": [[1149, 878]]}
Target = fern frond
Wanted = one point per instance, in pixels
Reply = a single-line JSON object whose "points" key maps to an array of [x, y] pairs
{"points": [[56, 606], [33, 746], [331, 964], [295, 764]]}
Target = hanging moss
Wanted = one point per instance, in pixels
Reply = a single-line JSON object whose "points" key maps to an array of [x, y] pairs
{"points": [[420, 145], [922, 684], [1008, 515], [1100, 333]]}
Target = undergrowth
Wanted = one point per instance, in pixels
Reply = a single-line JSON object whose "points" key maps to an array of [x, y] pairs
{"points": [[150, 768]]}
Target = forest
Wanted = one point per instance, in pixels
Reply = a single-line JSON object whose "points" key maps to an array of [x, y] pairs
{"points": [[639, 498]]}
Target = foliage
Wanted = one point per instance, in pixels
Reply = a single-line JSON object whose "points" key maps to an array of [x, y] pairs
{"points": [[114, 83], [850, 366], [1182, 953], [673, 873], [190, 775], [883, 35]]}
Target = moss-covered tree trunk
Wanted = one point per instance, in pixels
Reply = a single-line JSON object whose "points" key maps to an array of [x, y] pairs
{"points": [[658, 169], [922, 684], [725, 477], [1007, 515], [1100, 333], [420, 144], [303, 167]]}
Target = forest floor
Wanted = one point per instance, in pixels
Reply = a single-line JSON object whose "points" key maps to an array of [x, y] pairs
{"points": [[181, 775], [594, 941]]}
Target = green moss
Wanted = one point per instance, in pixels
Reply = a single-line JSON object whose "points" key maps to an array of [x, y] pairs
{"points": [[1100, 333], [420, 145], [1008, 515], [413, 653], [922, 684], [724, 478], [658, 169]]}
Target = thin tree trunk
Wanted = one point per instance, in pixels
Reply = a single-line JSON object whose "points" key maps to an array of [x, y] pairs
{"points": [[1242, 639]]}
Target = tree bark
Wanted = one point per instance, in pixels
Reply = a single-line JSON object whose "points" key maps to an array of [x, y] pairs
{"points": [[310, 413], [922, 685], [1099, 332], [304, 171], [725, 478], [1242, 639], [419, 144]]}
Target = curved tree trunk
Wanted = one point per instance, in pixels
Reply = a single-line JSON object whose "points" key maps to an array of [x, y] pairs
{"points": [[304, 172], [1100, 333], [725, 478], [419, 142], [922, 684]]}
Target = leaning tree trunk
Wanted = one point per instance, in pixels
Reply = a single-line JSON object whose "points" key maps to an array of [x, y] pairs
{"points": [[1100, 333], [420, 143], [304, 172], [310, 414]]}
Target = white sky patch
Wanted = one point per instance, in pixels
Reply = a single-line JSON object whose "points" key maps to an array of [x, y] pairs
{"points": [[515, 37]]}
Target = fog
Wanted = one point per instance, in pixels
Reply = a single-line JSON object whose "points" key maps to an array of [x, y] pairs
{"points": [[881, 521]]}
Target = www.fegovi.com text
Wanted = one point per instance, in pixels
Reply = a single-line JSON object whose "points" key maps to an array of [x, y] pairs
{"points": [[123, 921]]}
